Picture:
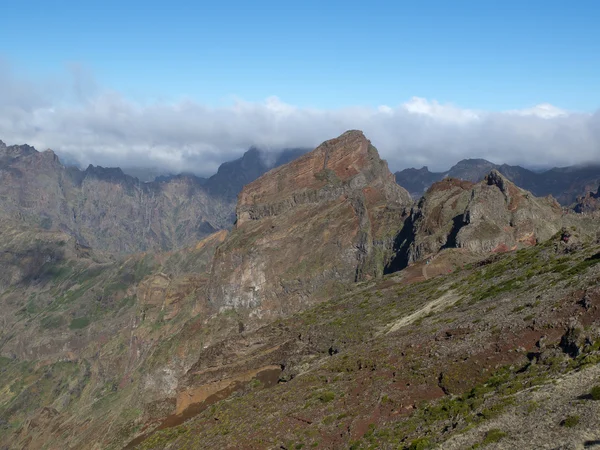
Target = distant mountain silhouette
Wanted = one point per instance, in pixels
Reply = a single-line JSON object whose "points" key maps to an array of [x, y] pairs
{"points": [[566, 184], [232, 176]]}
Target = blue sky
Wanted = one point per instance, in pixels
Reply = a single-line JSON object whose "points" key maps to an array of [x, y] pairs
{"points": [[492, 55], [187, 85]]}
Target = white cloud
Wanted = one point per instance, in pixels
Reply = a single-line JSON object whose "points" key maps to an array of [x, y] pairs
{"points": [[543, 110], [437, 111], [103, 127]]}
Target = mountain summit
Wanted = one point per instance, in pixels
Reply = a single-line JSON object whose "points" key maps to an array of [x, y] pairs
{"points": [[491, 216], [306, 227]]}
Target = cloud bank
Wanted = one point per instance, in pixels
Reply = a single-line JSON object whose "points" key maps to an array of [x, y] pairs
{"points": [[92, 125]]}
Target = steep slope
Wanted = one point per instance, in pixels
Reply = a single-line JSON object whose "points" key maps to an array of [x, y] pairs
{"points": [[109, 210], [104, 208], [234, 175], [459, 361], [588, 203], [491, 216], [307, 228], [390, 363], [88, 338], [263, 338], [565, 184]]}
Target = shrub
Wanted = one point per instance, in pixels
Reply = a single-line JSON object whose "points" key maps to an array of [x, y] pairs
{"points": [[595, 393], [419, 444], [327, 396], [79, 323], [570, 421], [493, 435]]}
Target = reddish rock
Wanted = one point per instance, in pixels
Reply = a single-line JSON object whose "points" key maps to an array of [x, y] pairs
{"points": [[309, 226], [493, 216]]}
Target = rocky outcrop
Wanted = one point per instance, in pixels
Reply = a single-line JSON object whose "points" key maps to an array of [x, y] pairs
{"points": [[502, 217], [564, 183], [588, 203], [307, 227], [491, 216]]}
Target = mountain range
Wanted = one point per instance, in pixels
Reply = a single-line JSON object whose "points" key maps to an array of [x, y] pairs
{"points": [[563, 183], [108, 210], [305, 303]]}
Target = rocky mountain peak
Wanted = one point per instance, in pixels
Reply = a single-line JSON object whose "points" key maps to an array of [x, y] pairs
{"points": [[328, 217], [338, 166], [495, 178], [493, 215], [474, 169], [232, 176], [588, 203], [50, 155], [565, 184], [109, 174], [10, 152]]}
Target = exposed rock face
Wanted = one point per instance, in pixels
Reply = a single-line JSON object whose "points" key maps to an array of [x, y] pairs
{"points": [[110, 351], [108, 210], [502, 217], [588, 203], [104, 208], [491, 216], [325, 218], [565, 183], [232, 176]]}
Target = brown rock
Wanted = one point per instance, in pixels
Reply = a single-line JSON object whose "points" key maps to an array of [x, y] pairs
{"points": [[309, 226], [491, 216], [588, 203]]}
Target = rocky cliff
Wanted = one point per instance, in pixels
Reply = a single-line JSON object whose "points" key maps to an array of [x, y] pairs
{"points": [[491, 216], [108, 210], [588, 203], [104, 208], [309, 226]]}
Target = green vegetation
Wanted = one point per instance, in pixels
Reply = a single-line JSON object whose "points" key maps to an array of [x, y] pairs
{"points": [[114, 287], [492, 436], [326, 396], [570, 422], [143, 268], [372, 367], [57, 272], [419, 444], [52, 322], [79, 323]]}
